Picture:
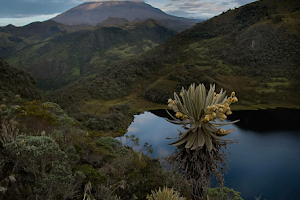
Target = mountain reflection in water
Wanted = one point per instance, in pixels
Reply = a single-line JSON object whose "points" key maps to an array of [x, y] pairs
{"points": [[266, 161]]}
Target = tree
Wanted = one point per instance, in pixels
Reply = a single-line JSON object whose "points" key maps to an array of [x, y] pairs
{"points": [[200, 149]]}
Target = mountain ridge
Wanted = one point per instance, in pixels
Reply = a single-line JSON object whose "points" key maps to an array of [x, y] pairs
{"points": [[220, 51], [65, 57], [13, 39]]}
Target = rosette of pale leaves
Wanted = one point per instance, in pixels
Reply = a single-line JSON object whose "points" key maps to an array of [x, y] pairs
{"points": [[197, 111], [164, 194]]}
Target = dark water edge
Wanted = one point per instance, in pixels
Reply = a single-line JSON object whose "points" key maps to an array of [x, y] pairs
{"points": [[267, 120], [266, 161], [257, 120]]}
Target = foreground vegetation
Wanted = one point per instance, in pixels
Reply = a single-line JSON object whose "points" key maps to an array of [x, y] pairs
{"points": [[47, 155]]}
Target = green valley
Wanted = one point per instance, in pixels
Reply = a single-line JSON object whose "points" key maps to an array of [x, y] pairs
{"points": [[249, 50], [64, 57]]}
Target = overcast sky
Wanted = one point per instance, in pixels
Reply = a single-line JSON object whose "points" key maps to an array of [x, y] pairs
{"points": [[22, 12]]}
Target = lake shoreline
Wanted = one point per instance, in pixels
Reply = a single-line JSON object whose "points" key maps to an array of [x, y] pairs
{"points": [[264, 150]]}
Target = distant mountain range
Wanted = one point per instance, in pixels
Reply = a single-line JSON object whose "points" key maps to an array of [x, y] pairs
{"points": [[13, 39], [59, 52], [93, 13], [64, 57], [253, 50], [116, 13]]}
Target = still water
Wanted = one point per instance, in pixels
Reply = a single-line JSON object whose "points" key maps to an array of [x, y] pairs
{"points": [[265, 161]]}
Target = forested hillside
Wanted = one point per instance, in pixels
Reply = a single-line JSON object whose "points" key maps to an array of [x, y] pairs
{"points": [[13, 39], [64, 57], [253, 50], [15, 81]]}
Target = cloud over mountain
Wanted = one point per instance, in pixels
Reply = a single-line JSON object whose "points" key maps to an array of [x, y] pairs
{"points": [[196, 8], [201, 8]]}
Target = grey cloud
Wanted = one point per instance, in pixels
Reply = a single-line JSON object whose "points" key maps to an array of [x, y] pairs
{"points": [[210, 7], [191, 15], [242, 2], [224, 3], [178, 0], [169, 5], [179, 13], [185, 1], [202, 9], [111, 0], [195, 5], [23, 8]]}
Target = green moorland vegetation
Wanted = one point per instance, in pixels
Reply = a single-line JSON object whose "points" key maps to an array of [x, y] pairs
{"points": [[16, 81], [68, 55], [252, 50], [46, 154]]}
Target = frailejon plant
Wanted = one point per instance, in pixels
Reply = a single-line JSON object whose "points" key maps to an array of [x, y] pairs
{"points": [[198, 112], [165, 194], [199, 147]]}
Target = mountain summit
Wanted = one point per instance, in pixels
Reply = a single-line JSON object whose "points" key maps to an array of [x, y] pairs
{"points": [[93, 13]]}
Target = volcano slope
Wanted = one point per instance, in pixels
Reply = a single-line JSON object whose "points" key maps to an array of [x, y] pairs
{"points": [[93, 13]]}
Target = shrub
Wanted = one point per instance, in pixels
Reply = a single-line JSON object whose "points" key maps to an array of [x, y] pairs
{"points": [[37, 108], [45, 168], [61, 115], [224, 193], [110, 147], [140, 174], [92, 175]]}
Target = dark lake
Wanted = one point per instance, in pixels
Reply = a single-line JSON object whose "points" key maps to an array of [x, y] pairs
{"points": [[265, 161]]}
